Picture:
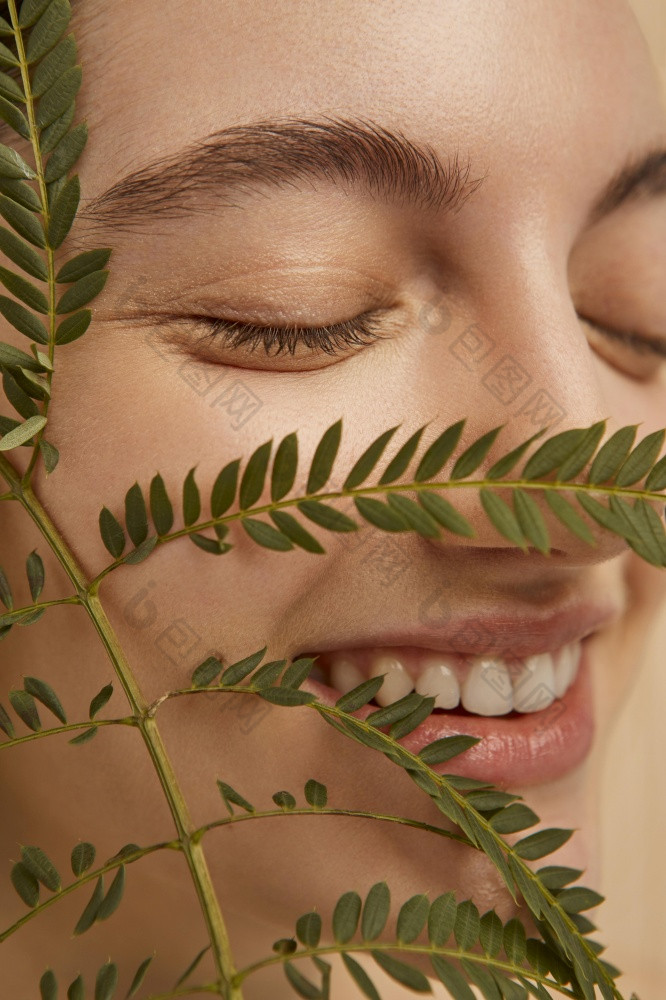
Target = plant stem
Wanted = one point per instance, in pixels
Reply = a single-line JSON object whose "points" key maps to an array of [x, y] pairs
{"points": [[193, 852]]}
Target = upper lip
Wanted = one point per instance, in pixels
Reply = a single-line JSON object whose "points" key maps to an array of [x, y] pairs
{"points": [[491, 633]]}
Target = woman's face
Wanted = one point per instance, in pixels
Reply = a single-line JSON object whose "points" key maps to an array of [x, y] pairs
{"points": [[539, 106]]}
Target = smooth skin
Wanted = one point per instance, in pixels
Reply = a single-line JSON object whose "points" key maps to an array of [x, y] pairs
{"points": [[549, 101]]}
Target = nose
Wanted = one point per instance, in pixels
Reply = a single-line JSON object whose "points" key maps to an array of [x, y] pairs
{"points": [[523, 364]]}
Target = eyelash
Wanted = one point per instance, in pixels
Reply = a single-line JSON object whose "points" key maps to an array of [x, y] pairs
{"points": [[361, 331], [358, 331]]}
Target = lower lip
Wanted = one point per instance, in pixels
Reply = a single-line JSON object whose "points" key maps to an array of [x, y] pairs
{"points": [[524, 749]]}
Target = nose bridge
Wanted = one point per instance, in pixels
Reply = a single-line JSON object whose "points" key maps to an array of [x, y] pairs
{"points": [[523, 362]]}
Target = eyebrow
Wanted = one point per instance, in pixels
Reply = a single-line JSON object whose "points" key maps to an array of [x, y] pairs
{"points": [[279, 152]]}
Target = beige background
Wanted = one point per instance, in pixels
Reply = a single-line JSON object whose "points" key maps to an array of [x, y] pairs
{"points": [[631, 922]]}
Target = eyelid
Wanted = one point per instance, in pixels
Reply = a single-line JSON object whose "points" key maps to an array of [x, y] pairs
{"points": [[630, 338]]}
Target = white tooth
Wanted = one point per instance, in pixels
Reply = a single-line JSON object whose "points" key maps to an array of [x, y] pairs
{"points": [[438, 681], [487, 688], [534, 684], [345, 674], [566, 667], [397, 682]]}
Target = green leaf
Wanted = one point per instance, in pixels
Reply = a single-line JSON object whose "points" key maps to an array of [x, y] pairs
{"points": [[466, 927], [657, 478], [10, 89], [401, 460], [87, 918], [268, 674], [23, 221], [578, 898], [414, 719], [107, 977], [20, 400], [490, 933], [252, 481], [605, 517], [452, 978], [473, 456], [552, 453], [24, 706], [34, 385], [541, 843], [327, 517], [206, 672], [295, 532], [231, 797], [73, 327], [100, 700], [397, 710], [507, 462], [416, 517], [45, 34], [612, 454], [11, 114], [54, 133], [301, 984], [224, 489], [139, 976], [439, 452], [12, 164], [82, 291], [25, 884], [112, 533], [375, 911], [412, 918], [445, 513], [83, 856], [45, 693], [6, 724], [35, 572], [285, 800], [53, 191], [7, 57], [5, 591], [76, 990], [12, 357], [60, 223], [52, 66], [23, 320], [514, 817], [324, 457], [482, 978], [514, 940], [557, 876], [266, 535], [192, 966], [297, 671], [530, 520], [191, 499], [41, 866], [569, 516], [111, 901], [368, 460], [136, 517], [641, 459], [22, 253], [446, 748], [30, 11], [237, 671], [161, 510], [84, 737], [401, 972], [208, 544], [582, 454], [360, 695], [380, 514], [360, 977], [502, 517], [58, 98], [316, 794], [48, 986], [308, 929], [284, 467], [142, 551], [83, 264], [345, 917], [20, 193]]}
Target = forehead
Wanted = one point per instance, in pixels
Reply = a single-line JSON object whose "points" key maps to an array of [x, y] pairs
{"points": [[528, 88]]}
